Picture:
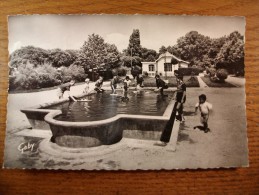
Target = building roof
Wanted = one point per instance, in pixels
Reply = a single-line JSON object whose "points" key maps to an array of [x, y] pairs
{"points": [[149, 62], [167, 54]]}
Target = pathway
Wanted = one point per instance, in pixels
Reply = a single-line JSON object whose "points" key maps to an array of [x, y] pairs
{"points": [[201, 82], [237, 81]]}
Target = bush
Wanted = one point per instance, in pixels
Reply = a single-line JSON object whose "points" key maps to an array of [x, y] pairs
{"points": [[73, 72], [30, 77], [189, 71], [114, 72], [122, 71], [135, 70], [211, 72], [145, 73], [214, 79], [222, 74]]}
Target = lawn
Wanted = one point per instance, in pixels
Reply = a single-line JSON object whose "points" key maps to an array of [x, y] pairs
{"points": [[189, 81], [214, 84]]}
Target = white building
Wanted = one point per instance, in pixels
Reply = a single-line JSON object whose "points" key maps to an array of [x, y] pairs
{"points": [[163, 66]]}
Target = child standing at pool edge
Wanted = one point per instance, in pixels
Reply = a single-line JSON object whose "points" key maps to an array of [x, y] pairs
{"points": [[86, 89], [65, 87], [161, 85], [205, 109], [114, 83], [180, 95], [98, 85], [140, 82], [126, 83]]}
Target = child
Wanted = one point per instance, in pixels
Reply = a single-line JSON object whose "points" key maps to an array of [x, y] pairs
{"points": [[86, 89], [114, 83], [180, 97], [126, 83], [65, 87], [98, 85], [140, 82], [161, 85], [205, 108]]}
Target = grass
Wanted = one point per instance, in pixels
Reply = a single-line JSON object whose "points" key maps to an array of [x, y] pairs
{"points": [[189, 81], [215, 84]]}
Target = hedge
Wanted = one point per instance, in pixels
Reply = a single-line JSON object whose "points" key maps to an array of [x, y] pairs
{"points": [[189, 71]]}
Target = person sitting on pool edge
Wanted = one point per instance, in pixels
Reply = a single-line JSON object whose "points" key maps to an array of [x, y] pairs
{"points": [[98, 85], [65, 87], [161, 85]]}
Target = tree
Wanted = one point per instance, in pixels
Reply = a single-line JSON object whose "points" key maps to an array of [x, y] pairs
{"points": [[130, 61], [173, 50], [112, 58], [193, 46], [231, 54], [134, 47], [162, 50], [126, 60], [73, 54], [29, 54], [58, 58], [95, 53], [136, 70], [148, 55]]}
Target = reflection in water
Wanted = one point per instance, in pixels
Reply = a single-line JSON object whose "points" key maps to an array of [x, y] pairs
{"points": [[104, 105]]}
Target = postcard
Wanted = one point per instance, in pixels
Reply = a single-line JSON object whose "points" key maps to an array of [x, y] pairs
{"points": [[126, 92]]}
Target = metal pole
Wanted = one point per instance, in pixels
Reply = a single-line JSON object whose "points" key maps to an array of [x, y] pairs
{"points": [[131, 57], [165, 67]]}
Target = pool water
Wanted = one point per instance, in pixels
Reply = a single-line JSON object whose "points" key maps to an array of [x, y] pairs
{"points": [[103, 105]]}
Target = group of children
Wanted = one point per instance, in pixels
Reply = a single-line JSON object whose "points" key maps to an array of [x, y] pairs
{"points": [[180, 95]]}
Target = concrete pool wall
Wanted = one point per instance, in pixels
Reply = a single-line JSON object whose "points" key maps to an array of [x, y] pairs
{"points": [[96, 133]]}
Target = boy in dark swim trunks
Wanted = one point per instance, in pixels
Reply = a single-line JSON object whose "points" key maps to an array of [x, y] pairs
{"points": [[161, 85], [98, 85], [140, 82], [114, 83], [65, 87]]}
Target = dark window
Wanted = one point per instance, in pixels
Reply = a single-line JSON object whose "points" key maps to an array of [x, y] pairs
{"points": [[151, 68], [168, 67]]}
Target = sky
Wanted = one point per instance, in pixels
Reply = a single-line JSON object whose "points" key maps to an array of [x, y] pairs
{"points": [[70, 31]]}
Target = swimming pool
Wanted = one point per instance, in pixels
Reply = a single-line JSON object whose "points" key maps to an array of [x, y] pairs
{"points": [[104, 120], [103, 105]]}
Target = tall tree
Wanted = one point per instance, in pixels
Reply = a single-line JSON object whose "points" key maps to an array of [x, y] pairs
{"points": [[134, 47]]}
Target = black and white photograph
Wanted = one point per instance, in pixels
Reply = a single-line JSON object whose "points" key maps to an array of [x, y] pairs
{"points": [[126, 92]]}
